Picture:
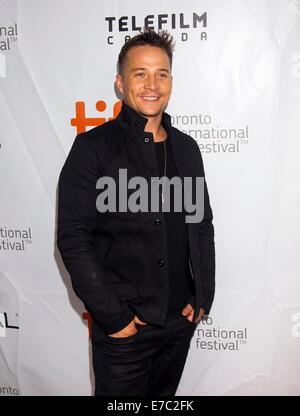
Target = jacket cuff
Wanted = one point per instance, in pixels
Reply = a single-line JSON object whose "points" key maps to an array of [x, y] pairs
{"points": [[207, 304], [192, 300], [204, 304], [118, 323]]}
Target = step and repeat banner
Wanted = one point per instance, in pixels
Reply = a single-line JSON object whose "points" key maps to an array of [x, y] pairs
{"points": [[236, 90]]}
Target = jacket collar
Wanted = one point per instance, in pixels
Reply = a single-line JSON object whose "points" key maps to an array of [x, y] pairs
{"points": [[136, 122]]}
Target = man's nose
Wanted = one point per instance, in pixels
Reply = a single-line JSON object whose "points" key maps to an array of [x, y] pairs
{"points": [[151, 82]]}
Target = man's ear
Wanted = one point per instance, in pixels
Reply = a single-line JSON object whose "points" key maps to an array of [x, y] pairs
{"points": [[119, 83]]}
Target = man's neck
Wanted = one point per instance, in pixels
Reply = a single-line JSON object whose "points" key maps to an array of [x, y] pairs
{"points": [[155, 127]]}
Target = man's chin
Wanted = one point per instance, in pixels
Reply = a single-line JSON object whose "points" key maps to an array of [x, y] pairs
{"points": [[151, 113]]}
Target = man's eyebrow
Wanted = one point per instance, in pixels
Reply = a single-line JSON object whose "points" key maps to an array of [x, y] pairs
{"points": [[141, 69]]}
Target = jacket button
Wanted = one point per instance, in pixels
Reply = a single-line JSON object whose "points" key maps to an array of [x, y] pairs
{"points": [[136, 123], [157, 222], [146, 139], [160, 263]]}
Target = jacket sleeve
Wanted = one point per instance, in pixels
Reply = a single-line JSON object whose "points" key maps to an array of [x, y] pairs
{"points": [[206, 247], [77, 216]]}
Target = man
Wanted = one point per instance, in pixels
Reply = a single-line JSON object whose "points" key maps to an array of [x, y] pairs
{"points": [[145, 277]]}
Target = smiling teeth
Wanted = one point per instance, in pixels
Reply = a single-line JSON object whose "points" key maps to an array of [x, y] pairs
{"points": [[150, 98]]}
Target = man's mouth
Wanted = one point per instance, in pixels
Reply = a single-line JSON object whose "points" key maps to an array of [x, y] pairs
{"points": [[149, 97]]}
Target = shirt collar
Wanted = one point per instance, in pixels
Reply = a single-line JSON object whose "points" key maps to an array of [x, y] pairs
{"points": [[135, 121]]}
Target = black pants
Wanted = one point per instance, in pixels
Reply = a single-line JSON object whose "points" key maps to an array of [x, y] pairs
{"points": [[147, 363]]}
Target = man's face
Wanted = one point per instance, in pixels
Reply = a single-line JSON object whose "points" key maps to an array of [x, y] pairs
{"points": [[146, 82]]}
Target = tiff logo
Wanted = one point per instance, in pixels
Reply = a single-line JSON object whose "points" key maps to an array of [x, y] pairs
{"points": [[81, 121], [2, 65]]}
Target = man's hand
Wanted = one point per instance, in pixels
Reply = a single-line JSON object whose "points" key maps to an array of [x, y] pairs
{"points": [[188, 312], [129, 330]]}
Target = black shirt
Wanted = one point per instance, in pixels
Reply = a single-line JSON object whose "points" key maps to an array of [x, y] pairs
{"points": [[180, 280]]}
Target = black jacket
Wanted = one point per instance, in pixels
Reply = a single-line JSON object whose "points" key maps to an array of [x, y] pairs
{"points": [[117, 261]]}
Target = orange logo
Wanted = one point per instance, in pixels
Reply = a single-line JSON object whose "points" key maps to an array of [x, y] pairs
{"points": [[81, 121]]}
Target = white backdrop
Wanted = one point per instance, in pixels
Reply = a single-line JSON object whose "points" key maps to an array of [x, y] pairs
{"points": [[237, 91]]}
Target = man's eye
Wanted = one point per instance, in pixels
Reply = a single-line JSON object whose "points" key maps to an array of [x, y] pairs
{"points": [[139, 74]]}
